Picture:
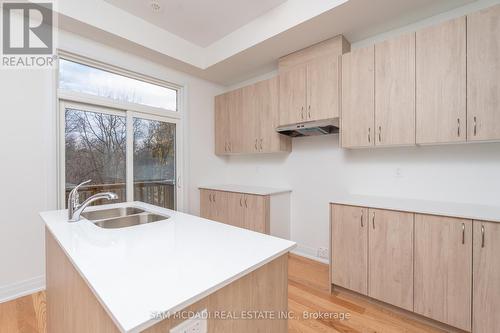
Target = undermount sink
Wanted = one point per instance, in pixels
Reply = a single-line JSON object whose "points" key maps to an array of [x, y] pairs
{"points": [[111, 213], [128, 221], [121, 217]]}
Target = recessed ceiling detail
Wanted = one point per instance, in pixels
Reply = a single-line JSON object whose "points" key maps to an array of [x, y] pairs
{"points": [[200, 22]]}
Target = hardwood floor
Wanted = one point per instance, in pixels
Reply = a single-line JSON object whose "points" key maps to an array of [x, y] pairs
{"points": [[307, 294]]}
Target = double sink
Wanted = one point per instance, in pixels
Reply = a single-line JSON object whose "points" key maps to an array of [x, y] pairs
{"points": [[122, 217]]}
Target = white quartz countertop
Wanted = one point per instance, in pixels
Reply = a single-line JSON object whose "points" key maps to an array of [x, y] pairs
{"points": [[163, 266], [442, 208], [257, 190]]}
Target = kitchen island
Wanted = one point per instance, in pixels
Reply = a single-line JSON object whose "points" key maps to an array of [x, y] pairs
{"points": [[136, 278]]}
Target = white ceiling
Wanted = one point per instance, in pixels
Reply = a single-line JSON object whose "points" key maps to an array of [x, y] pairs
{"points": [[199, 22], [254, 48]]}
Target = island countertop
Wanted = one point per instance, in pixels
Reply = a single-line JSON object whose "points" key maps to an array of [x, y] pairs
{"points": [[163, 266]]}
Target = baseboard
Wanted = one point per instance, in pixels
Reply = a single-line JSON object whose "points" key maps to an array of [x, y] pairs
{"points": [[22, 288], [308, 252]]}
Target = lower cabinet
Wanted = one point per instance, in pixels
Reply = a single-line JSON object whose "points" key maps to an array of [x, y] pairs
{"points": [[349, 239], [390, 253], [443, 269], [486, 273], [266, 213]]}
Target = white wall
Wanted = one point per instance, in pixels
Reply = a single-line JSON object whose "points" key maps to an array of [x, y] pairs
{"points": [[318, 170], [28, 154]]}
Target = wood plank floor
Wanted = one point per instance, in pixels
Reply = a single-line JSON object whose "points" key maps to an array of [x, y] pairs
{"points": [[307, 293]]}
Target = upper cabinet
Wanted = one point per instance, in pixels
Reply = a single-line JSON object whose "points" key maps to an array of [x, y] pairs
{"points": [[483, 71], [358, 98], [441, 83], [246, 118], [395, 91], [310, 82], [378, 94]]}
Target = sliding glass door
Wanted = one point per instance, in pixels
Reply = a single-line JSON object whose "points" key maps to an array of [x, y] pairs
{"points": [[129, 153]]}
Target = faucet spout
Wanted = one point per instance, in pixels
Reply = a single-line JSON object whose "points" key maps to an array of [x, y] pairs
{"points": [[75, 209]]}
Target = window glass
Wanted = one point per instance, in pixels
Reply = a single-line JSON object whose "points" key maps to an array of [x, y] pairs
{"points": [[154, 162], [95, 148], [89, 80]]}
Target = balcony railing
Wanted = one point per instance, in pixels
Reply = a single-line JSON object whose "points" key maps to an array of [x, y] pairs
{"points": [[158, 193]]}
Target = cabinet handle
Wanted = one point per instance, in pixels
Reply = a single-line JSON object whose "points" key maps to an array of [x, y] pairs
{"points": [[458, 127], [256, 148], [369, 134], [213, 197], [260, 144], [246, 206], [380, 134], [463, 233], [309, 112], [475, 125], [230, 147], [362, 219], [241, 204], [373, 221], [225, 146], [482, 236], [210, 197], [302, 113]]}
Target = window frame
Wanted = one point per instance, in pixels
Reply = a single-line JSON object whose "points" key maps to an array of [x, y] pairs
{"points": [[88, 102]]}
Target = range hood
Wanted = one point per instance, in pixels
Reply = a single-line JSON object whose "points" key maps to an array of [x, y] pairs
{"points": [[310, 128]]}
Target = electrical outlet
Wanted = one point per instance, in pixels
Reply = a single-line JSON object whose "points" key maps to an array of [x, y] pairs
{"points": [[323, 253], [197, 324]]}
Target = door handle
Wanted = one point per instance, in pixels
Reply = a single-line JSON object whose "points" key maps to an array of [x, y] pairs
{"points": [[482, 236], [463, 233]]}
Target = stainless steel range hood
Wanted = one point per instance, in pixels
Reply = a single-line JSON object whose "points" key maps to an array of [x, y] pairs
{"points": [[310, 128]]}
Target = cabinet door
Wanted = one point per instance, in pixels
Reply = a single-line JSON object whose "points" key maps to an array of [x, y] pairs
{"points": [[267, 106], [390, 252], [256, 213], [483, 71], [222, 124], [235, 213], [323, 88], [486, 289], [395, 91], [350, 247], [236, 121], [249, 130], [358, 98], [441, 83], [206, 208], [219, 206], [292, 98], [443, 269]]}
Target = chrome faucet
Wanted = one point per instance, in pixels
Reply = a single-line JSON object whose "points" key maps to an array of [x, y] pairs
{"points": [[75, 209]]}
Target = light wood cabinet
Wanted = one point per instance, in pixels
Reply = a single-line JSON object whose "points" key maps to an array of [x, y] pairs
{"points": [[395, 91], [292, 96], [483, 71], [390, 252], [358, 98], [213, 205], [246, 118], [262, 213], [349, 246], [310, 82], [486, 277], [441, 83], [443, 269]]}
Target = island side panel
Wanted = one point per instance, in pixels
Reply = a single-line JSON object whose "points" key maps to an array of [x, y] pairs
{"points": [[72, 306]]}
